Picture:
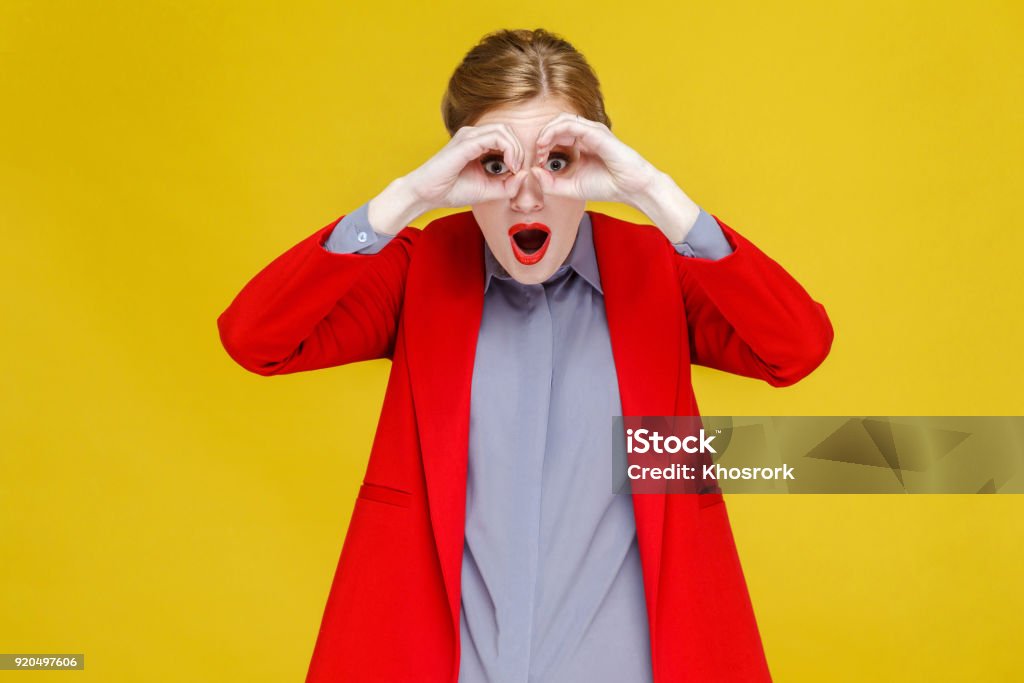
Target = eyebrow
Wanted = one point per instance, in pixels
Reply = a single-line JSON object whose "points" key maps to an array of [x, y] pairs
{"points": [[498, 154]]}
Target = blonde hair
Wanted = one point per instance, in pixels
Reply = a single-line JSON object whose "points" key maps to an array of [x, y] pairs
{"points": [[513, 66]]}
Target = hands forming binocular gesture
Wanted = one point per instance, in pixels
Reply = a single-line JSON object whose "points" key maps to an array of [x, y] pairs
{"points": [[571, 157]]}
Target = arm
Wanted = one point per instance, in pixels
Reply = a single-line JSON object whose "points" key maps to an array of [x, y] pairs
{"points": [[748, 316], [313, 308], [744, 313], [354, 235], [319, 304], [704, 240], [369, 228]]}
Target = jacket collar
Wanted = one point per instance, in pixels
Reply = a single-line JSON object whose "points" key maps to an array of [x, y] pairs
{"points": [[581, 259]]}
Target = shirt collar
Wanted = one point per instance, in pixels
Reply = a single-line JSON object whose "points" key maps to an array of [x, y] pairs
{"points": [[582, 259]]}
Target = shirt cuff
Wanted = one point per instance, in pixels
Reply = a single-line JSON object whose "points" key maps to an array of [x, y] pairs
{"points": [[705, 239], [354, 235]]}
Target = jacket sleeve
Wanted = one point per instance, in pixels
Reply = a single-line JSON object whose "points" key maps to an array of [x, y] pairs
{"points": [[354, 234], [312, 308], [705, 239], [746, 315]]}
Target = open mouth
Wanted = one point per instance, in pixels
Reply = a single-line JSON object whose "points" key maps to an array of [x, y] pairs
{"points": [[529, 241]]}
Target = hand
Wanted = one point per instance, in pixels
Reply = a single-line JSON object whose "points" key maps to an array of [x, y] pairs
{"points": [[455, 176], [605, 168]]}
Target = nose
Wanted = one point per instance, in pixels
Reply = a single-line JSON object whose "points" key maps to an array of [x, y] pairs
{"points": [[530, 197]]}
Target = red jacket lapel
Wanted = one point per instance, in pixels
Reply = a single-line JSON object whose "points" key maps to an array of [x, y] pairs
{"points": [[444, 304], [644, 312]]}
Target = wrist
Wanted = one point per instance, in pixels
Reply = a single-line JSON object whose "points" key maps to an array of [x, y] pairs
{"points": [[665, 203], [395, 207]]}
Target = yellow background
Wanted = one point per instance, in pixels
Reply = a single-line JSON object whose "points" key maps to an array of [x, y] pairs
{"points": [[176, 518]]}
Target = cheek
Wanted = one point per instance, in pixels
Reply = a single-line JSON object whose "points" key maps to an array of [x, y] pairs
{"points": [[490, 224], [561, 241], [498, 240]]}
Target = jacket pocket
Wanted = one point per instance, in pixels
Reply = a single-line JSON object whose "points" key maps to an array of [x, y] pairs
{"points": [[385, 494]]}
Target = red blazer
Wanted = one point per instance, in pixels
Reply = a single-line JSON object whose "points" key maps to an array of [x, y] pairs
{"points": [[392, 613]]}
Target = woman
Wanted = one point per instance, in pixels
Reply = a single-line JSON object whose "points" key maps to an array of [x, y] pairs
{"points": [[485, 543]]}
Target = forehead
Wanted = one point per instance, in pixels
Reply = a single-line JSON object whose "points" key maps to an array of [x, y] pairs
{"points": [[527, 118]]}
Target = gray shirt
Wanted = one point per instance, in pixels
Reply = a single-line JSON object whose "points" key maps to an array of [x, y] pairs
{"points": [[552, 586]]}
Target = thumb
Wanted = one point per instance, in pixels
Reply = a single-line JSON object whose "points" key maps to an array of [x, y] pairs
{"points": [[513, 184], [544, 178], [549, 185]]}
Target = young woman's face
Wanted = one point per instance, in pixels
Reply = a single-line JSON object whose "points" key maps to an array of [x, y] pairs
{"points": [[530, 255]]}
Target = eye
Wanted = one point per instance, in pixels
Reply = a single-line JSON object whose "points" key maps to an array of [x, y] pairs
{"points": [[560, 161], [490, 162]]}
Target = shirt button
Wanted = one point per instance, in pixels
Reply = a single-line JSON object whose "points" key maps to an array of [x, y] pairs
{"points": [[361, 237]]}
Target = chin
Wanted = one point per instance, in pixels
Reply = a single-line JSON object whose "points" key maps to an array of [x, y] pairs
{"points": [[532, 275]]}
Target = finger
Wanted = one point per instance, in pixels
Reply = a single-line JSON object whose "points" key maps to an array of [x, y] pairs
{"points": [[502, 188], [554, 185], [589, 136], [562, 119], [549, 183], [469, 144], [513, 184], [545, 179], [513, 161], [564, 140], [492, 137], [520, 151], [541, 144], [564, 116], [496, 141], [567, 133]]}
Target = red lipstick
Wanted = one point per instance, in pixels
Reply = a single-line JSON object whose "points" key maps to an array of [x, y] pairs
{"points": [[529, 241]]}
